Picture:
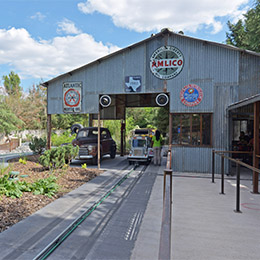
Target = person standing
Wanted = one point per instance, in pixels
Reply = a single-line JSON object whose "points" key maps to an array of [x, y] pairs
{"points": [[156, 144]]}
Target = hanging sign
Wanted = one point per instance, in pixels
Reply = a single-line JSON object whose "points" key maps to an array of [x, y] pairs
{"points": [[191, 95], [72, 97], [166, 62]]}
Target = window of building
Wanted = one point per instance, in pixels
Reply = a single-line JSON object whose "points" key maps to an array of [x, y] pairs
{"points": [[192, 129]]}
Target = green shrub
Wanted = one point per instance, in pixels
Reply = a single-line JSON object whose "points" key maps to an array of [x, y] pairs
{"points": [[37, 145], [46, 186], [23, 160], [70, 152], [13, 189], [55, 158], [84, 166], [64, 138]]}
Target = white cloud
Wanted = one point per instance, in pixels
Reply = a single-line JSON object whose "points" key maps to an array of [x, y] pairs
{"points": [[44, 59], [150, 15], [68, 27], [38, 16]]}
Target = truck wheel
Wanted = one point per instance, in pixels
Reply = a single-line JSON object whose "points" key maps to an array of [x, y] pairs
{"points": [[113, 153], [95, 160]]}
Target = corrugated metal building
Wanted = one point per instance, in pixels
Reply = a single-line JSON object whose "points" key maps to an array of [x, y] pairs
{"points": [[201, 78]]}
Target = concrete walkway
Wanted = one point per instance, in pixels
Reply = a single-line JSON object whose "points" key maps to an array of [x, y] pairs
{"points": [[204, 224]]}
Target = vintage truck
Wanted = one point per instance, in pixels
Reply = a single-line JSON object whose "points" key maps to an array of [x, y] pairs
{"points": [[141, 150]]}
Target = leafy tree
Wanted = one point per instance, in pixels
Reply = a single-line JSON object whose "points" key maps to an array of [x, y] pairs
{"points": [[8, 120], [12, 84], [65, 121], [161, 120], [143, 117], [245, 33], [33, 108]]}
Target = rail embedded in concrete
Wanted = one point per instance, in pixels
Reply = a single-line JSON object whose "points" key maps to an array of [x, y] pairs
{"points": [[165, 237]]}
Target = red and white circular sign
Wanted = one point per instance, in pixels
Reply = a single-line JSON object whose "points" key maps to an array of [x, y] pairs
{"points": [[72, 97], [191, 95]]}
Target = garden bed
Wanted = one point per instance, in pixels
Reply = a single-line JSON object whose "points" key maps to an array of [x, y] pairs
{"points": [[13, 210]]}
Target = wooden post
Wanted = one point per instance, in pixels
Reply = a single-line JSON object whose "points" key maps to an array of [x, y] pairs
{"points": [[256, 146], [48, 131], [90, 120], [98, 139], [122, 138], [213, 166], [170, 130]]}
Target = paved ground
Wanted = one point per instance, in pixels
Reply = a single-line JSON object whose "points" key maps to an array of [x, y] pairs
{"points": [[204, 224]]}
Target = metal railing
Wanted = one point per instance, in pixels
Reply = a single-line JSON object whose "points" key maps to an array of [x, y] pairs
{"points": [[238, 164], [165, 236]]}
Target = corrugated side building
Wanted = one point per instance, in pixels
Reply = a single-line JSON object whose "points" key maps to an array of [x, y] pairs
{"points": [[200, 78]]}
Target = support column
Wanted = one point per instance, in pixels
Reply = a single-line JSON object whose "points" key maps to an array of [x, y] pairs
{"points": [[48, 131], [256, 146], [90, 120], [122, 137], [170, 130], [98, 139]]}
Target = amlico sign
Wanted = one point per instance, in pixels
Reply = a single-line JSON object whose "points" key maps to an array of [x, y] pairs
{"points": [[166, 62]]}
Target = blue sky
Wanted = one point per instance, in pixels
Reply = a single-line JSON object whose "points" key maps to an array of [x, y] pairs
{"points": [[40, 39]]}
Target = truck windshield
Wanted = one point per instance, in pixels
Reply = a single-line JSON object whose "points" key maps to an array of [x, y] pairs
{"points": [[88, 133], [139, 143]]}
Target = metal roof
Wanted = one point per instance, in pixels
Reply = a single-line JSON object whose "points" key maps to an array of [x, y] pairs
{"points": [[244, 102], [162, 33]]}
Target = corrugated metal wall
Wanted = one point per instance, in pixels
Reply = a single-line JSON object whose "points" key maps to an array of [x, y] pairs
{"points": [[249, 77], [225, 76]]}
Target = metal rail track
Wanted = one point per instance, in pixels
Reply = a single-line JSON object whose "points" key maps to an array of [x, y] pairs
{"points": [[49, 249]]}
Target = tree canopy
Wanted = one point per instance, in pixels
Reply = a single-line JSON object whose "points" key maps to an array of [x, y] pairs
{"points": [[12, 84], [245, 33], [8, 120]]}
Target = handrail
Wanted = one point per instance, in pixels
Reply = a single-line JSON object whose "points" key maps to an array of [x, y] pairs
{"points": [[238, 164], [165, 236], [242, 152]]}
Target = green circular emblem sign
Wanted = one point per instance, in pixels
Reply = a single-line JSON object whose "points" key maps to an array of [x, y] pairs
{"points": [[166, 62]]}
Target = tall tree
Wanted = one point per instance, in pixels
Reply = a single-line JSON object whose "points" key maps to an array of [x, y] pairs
{"points": [[245, 33], [8, 120], [12, 84], [33, 108]]}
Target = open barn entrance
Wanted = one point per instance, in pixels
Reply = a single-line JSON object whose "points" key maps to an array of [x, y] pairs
{"points": [[119, 112], [134, 111]]}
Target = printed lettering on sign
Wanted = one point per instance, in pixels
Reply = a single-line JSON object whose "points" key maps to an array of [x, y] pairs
{"points": [[72, 97], [166, 62], [191, 95]]}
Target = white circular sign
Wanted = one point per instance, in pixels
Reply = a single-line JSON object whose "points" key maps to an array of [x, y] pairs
{"points": [[166, 62]]}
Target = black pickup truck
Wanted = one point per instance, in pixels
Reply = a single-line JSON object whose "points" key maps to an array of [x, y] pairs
{"points": [[87, 140]]}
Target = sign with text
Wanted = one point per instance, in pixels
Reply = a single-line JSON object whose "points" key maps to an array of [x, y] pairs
{"points": [[191, 95], [72, 97], [166, 62]]}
